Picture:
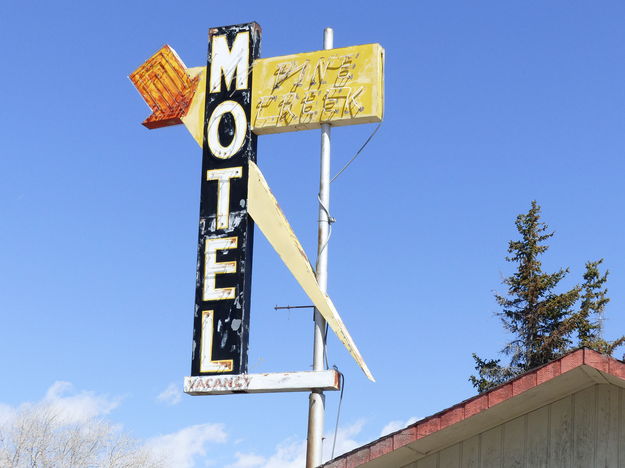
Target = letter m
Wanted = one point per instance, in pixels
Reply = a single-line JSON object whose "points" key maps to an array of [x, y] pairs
{"points": [[230, 60]]}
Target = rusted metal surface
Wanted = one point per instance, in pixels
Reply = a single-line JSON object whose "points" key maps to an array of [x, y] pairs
{"points": [[165, 86]]}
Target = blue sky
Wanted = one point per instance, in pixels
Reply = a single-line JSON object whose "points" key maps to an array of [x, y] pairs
{"points": [[489, 105]]}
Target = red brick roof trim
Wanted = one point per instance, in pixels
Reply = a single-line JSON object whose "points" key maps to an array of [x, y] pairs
{"points": [[477, 404]]}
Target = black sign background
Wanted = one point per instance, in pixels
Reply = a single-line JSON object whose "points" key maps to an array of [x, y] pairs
{"points": [[231, 316]]}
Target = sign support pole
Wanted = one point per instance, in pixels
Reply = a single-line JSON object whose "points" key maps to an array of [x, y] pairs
{"points": [[316, 407]]}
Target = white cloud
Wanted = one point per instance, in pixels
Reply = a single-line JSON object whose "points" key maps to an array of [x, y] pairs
{"points": [[181, 448], [75, 407], [190, 446], [291, 453], [396, 425], [345, 440], [247, 460], [66, 428], [66, 404], [172, 395]]}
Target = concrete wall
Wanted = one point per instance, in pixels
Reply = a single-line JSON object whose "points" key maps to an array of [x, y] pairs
{"points": [[583, 430]]}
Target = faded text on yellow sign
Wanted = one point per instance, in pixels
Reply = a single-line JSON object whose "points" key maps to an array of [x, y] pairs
{"points": [[301, 91]]}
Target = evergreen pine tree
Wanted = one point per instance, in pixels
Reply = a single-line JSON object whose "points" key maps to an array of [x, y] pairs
{"points": [[593, 305], [540, 320], [544, 323], [590, 317]]}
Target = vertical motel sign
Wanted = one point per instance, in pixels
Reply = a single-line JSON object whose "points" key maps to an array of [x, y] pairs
{"points": [[226, 232], [224, 106]]}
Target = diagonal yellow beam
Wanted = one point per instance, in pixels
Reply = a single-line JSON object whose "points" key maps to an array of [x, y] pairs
{"points": [[266, 212]]}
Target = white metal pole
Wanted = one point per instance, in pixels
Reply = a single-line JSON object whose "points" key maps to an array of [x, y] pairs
{"points": [[316, 408]]}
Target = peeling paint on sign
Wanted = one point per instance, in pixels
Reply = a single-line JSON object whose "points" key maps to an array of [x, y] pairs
{"points": [[225, 237], [225, 383], [263, 383], [301, 91]]}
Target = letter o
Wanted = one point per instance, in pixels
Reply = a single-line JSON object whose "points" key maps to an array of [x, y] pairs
{"points": [[240, 129]]}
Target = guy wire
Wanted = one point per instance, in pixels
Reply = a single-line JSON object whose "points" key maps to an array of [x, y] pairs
{"points": [[358, 152], [338, 412]]}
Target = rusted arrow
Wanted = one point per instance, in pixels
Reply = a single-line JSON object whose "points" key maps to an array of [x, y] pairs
{"points": [[167, 86]]}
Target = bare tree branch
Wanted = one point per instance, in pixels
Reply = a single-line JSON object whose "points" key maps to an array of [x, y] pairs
{"points": [[37, 437]]}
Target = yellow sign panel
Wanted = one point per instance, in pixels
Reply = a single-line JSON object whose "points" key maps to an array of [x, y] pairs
{"points": [[301, 91]]}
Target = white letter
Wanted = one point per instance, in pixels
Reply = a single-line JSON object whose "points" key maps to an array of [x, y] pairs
{"points": [[223, 176], [227, 60], [240, 129], [212, 268], [206, 350]]}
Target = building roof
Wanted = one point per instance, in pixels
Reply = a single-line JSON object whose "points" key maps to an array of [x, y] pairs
{"points": [[572, 372]]}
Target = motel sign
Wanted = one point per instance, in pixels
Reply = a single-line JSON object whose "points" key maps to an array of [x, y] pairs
{"points": [[225, 105]]}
